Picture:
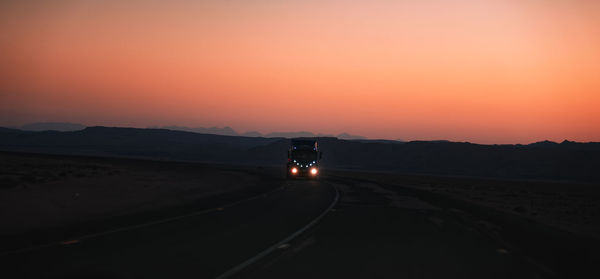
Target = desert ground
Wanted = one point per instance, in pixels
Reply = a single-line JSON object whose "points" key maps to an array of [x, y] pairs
{"points": [[52, 191], [571, 206], [107, 217]]}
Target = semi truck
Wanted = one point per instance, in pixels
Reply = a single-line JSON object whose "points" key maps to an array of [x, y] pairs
{"points": [[303, 158]]}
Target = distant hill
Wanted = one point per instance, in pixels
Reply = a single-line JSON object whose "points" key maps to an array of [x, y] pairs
{"points": [[302, 134], [133, 142], [312, 135], [550, 161], [252, 134], [347, 136], [225, 131], [9, 130], [228, 131], [52, 126], [377, 141]]}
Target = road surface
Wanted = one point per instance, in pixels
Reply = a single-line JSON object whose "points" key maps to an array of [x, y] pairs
{"points": [[370, 232]]}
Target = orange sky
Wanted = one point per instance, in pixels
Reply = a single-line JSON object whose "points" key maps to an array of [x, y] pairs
{"points": [[505, 71]]}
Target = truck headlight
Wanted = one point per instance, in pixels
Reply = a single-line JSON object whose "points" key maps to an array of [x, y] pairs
{"points": [[313, 171]]}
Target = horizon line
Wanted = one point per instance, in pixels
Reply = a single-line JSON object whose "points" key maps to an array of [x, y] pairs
{"points": [[265, 135]]}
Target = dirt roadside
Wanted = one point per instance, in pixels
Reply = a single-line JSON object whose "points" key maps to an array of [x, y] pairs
{"points": [[570, 206]]}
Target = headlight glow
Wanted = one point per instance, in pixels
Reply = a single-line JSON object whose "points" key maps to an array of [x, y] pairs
{"points": [[294, 170], [313, 171]]}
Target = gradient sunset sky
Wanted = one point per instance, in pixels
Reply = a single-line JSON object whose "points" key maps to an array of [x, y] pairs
{"points": [[505, 71]]}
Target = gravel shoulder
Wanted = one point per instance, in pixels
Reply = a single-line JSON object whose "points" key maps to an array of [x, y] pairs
{"points": [[569, 206]]}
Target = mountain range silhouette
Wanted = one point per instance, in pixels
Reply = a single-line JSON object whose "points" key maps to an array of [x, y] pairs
{"points": [[543, 160], [225, 131]]}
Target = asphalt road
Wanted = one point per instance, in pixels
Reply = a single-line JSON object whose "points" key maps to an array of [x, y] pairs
{"points": [[371, 232], [198, 246], [377, 233]]}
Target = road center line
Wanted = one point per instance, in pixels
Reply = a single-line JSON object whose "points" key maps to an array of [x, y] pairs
{"points": [[276, 246], [133, 227]]}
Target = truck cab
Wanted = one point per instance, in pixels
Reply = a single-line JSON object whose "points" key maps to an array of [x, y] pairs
{"points": [[303, 158]]}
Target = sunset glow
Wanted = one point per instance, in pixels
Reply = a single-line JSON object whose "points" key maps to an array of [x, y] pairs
{"points": [[505, 71]]}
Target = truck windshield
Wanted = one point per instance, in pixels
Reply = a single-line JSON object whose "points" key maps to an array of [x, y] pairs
{"points": [[304, 155]]}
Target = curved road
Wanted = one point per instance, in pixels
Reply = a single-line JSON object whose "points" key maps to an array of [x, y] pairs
{"points": [[374, 231], [199, 246]]}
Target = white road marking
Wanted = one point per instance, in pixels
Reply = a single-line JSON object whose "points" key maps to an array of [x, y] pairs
{"points": [[501, 251], [283, 246], [69, 242], [133, 227], [269, 250]]}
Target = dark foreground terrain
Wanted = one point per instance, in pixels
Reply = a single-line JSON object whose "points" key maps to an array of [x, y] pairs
{"points": [[89, 217]]}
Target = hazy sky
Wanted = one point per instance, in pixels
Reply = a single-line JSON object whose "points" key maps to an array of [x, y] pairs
{"points": [[506, 71]]}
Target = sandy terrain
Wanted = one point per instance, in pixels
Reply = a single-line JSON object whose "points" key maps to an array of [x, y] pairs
{"points": [[384, 223], [570, 206], [39, 191]]}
